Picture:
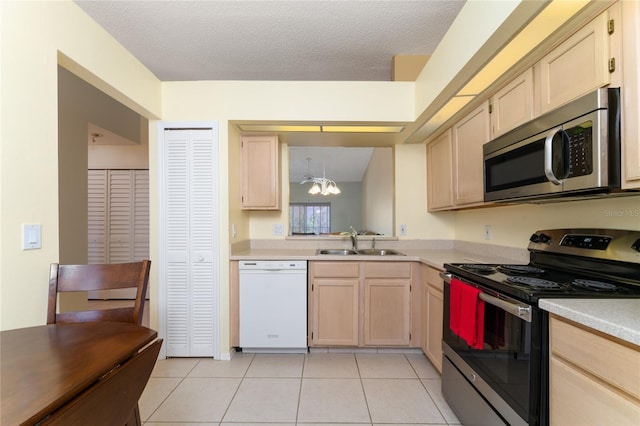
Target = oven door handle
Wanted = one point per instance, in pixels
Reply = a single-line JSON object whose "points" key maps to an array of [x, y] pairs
{"points": [[523, 312]]}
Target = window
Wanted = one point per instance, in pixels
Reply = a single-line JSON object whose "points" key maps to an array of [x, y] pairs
{"points": [[309, 218]]}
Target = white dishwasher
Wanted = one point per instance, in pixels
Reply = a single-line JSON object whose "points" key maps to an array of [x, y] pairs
{"points": [[273, 306]]}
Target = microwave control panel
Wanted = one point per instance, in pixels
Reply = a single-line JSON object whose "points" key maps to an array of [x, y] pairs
{"points": [[580, 149]]}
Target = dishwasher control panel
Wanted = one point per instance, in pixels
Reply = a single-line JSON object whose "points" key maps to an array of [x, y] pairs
{"points": [[273, 265]]}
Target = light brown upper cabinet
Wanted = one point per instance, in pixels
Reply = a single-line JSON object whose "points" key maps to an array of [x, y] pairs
{"points": [[577, 66], [631, 95], [512, 105], [469, 134], [439, 173], [260, 173]]}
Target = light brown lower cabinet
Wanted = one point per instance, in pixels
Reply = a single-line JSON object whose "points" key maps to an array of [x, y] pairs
{"points": [[432, 300], [387, 304], [361, 304], [594, 378], [334, 312]]}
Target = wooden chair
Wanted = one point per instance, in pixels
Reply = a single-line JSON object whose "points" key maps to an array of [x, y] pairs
{"points": [[113, 399], [66, 278]]}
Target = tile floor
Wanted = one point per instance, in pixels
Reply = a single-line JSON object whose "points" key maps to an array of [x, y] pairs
{"points": [[296, 389]]}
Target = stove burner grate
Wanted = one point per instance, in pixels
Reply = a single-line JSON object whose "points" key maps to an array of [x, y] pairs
{"points": [[521, 269], [483, 269], [534, 282], [594, 285]]}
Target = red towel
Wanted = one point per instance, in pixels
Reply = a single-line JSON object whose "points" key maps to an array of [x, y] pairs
{"points": [[466, 313]]}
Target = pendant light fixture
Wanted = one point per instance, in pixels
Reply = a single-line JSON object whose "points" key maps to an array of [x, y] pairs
{"points": [[322, 186]]}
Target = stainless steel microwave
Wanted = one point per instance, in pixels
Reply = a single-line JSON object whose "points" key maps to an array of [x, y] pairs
{"points": [[568, 152]]}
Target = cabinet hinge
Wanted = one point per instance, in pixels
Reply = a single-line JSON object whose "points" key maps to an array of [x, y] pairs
{"points": [[611, 26], [612, 64], [311, 287], [409, 336], [490, 108]]}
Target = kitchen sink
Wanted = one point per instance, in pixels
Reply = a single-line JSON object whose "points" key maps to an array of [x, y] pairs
{"points": [[337, 252], [365, 252], [379, 252]]}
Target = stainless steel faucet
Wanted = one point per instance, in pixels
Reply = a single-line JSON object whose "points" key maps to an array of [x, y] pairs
{"points": [[354, 238]]}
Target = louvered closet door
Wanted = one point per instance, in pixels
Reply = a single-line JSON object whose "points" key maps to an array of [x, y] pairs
{"points": [[97, 223], [97, 216], [121, 202], [190, 226], [140, 215]]}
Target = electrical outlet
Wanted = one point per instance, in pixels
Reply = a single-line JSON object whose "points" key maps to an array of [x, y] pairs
{"points": [[403, 229], [487, 232], [278, 229]]}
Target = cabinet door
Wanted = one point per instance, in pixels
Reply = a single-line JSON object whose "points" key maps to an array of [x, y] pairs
{"points": [[469, 134], [512, 105], [188, 229], [631, 95], [578, 66], [594, 378], [335, 311], [260, 173], [387, 311], [439, 173], [435, 301]]}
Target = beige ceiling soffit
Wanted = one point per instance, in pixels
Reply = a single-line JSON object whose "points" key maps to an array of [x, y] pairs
{"points": [[362, 129], [454, 105], [550, 21], [515, 22], [541, 27], [86, 75], [319, 128], [277, 128], [407, 67]]}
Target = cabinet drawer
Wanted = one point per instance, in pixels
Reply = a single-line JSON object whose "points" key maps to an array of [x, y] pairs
{"points": [[335, 269], [432, 278], [579, 400], [387, 270], [608, 359]]}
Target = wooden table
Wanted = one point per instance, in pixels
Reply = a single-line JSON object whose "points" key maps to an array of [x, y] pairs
{"points": [[44, 367]]}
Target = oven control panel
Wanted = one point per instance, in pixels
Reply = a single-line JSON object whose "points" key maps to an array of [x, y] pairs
{"points": [[610, 244], [594, 242]]}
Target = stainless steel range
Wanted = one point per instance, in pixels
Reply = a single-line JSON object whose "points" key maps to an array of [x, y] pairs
{"points": [[495, 364]]}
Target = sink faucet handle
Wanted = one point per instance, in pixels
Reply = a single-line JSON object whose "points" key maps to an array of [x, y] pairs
{"points": [[373, 242]]}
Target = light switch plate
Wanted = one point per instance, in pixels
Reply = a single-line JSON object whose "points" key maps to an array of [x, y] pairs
{"points": [[31, 236]]}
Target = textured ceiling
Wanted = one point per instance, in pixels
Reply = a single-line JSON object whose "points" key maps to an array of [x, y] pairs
{"points": [[274, 40]]}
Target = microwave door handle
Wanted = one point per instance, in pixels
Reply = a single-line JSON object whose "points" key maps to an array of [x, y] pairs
{"points": [[548, 157]]}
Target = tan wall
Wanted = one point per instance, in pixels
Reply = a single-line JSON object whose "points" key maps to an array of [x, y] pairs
{"points": [[29, 169], [377, 190]]}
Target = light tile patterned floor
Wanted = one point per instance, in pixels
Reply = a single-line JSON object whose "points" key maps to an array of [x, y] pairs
{"points": [[296, 389]]}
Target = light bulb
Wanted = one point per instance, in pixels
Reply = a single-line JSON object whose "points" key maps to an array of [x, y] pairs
{"points": [[314, 189]]}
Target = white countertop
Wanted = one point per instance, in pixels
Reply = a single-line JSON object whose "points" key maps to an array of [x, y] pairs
{"points": [[617, 317]]}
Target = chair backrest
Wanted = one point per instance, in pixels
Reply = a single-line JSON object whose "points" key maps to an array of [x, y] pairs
{"points": [[66, 278], [112, 400]]}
